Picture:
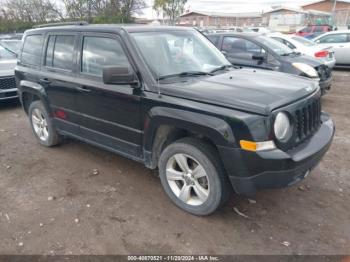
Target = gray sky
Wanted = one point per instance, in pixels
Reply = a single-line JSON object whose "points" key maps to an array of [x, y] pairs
{"points": [[232, 6]]}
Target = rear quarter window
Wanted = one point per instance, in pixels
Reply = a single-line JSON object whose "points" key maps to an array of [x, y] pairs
{"points": [[31, 52]]}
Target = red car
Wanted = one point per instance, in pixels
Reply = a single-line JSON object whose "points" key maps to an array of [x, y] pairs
{"points": [[314, 30]]}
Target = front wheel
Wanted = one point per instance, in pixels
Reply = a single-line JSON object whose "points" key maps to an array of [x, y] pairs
{"points": [[193, 177], [42, 125]]}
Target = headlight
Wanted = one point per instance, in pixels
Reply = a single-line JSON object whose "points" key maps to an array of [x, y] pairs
{"points": [[282, 127], [306, 69]]}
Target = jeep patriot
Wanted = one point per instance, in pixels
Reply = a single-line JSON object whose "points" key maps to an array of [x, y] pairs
{"points": [[168, 98]]}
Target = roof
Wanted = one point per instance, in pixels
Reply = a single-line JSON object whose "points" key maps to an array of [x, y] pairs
{"points": [[222, 14], [318, 1], [244, 34], [108, 28], [298, 10]]}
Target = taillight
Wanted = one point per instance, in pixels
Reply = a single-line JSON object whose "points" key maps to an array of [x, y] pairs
{"points": [[322, 54]]}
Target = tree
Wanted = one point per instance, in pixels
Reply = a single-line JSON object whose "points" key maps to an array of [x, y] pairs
{"points": [[171, 8]]}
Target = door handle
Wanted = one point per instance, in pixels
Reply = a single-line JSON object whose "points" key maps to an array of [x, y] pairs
{"points": [[83, 89], [45, 81]]}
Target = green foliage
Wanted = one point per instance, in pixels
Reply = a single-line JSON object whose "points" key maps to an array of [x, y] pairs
{"points": [[171, 8]]}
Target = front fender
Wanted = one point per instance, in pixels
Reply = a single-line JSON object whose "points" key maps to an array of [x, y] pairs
{"points": [[216, 129]]}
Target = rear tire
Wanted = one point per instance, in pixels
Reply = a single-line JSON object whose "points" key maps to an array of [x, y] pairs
{"points": [[42, 126], [193, 177]]}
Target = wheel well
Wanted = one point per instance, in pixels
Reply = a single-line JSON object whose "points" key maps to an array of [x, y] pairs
{"points": [[27, 99], [167, 134]]}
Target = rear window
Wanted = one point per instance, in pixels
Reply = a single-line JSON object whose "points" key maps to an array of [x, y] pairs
{"points": [[31, 53], [60, 52]]}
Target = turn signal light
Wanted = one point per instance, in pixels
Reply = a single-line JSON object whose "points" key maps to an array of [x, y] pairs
{"points": [[257, 146], [323, 53]]}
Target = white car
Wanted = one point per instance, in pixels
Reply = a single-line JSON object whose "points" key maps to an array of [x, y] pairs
{"points": [[304, 46], [340, 42]]}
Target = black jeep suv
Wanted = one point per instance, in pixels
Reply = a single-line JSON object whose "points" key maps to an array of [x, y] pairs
{"points": [[166, 97]]}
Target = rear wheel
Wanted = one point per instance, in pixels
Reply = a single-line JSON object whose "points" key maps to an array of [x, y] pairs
{"points": [[193, 177], [42, 125]]}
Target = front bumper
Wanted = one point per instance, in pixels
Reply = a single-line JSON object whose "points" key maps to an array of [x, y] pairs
{"points": [[252, 171], [8, 94]]}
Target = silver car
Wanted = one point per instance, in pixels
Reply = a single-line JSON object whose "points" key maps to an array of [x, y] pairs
{"points": [[340, 43], [8, 60]]}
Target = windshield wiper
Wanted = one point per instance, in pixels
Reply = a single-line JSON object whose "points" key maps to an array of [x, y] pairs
{"points": [[186, 74], [221, 68]]}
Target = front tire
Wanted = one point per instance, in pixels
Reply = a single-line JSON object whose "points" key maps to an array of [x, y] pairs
{"points": [[193, 177], [42, 126]]}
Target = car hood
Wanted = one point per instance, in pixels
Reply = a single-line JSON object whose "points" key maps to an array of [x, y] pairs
{"points": [[7, 67], [302, 59], [258, 91]]}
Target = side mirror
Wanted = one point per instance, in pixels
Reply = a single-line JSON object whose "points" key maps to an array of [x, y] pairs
{"points": [[119, 76], [259, 57]]}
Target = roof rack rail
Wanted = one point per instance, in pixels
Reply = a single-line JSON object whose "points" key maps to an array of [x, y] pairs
{"points": [[61, 24]]}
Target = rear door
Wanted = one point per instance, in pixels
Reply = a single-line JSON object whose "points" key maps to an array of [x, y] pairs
{"points": [[340, 44], [58, 75], [109, 114]]}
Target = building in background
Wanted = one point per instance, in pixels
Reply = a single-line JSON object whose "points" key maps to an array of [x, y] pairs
{"points": [[220, 20], [342, 10], [286, 19]]}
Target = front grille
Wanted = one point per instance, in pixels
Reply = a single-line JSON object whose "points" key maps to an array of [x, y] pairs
{"points": [[7, 83], [324, 72], [307, 120]]}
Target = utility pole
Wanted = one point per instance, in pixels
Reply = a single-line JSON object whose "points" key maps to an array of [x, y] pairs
{"points": [[333, 12]]}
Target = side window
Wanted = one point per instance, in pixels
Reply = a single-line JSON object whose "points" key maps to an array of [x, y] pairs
{"points": [[234, 45], [60, 52], [31, 53], [100, 52], [214, 39], [319, 29], [334, 38]]}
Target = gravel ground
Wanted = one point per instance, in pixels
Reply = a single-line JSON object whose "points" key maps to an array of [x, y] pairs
{"points": [[76, 199]]}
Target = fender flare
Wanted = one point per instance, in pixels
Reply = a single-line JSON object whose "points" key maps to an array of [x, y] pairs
{"points": [[33, 89], [215, 129]]}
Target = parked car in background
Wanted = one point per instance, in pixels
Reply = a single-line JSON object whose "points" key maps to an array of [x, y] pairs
{"points": [[313, 31], [262, 30], [259, 51], [324, 54], [340, 43], [8, 59], [166, 97]]}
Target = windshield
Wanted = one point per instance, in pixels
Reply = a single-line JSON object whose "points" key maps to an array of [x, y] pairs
{"points": [[6, 53], [303, 41], [276, 46], [177, 52]]}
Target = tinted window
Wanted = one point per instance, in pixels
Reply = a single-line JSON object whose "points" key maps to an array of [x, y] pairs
{"points": [[63, 52], [214, 39], [100, 52], [319, 29], [306, 30], [239, 45], [334, 38], [31, 53]]}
